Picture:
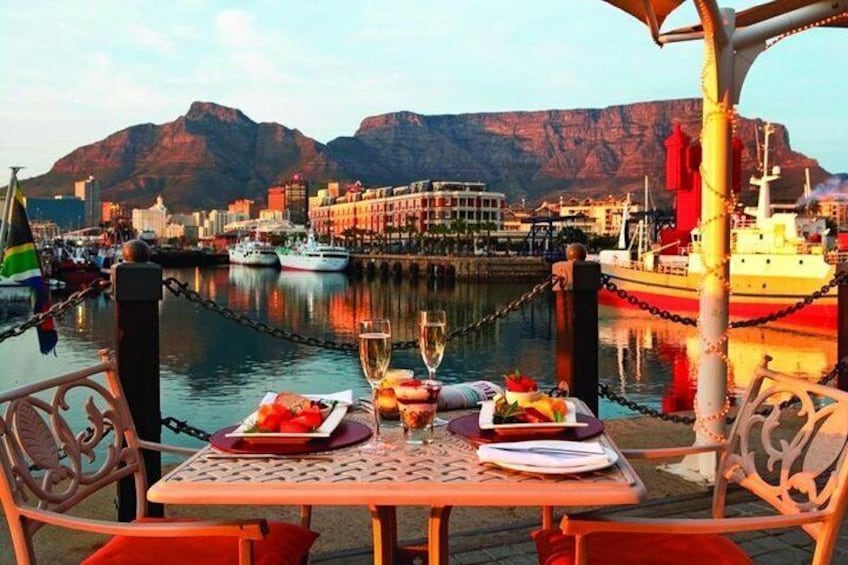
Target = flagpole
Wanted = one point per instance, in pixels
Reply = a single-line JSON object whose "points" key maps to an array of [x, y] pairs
{"points": [[7, 210]]}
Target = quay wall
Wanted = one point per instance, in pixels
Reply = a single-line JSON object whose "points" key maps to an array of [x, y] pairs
{"points": [[500, 268]]}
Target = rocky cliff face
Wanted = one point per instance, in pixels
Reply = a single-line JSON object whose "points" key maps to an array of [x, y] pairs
{"points": [[543, 154], [215, 154], [204, 159]]}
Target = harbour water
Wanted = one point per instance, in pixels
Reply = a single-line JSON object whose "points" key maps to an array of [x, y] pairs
{"points": [[214, 370]]}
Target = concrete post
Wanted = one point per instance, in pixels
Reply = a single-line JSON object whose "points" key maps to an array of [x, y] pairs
{"points": [[137, 289], [577, 324]]}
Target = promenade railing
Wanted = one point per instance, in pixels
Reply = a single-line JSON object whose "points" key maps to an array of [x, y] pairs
{"points": [[137, 287]]}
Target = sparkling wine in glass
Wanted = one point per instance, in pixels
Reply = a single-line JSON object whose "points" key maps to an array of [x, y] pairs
{"points": [[432, 337], [375, 352]]}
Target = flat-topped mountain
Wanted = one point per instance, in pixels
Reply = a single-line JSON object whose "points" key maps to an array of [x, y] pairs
{"points": [[214, 154]]}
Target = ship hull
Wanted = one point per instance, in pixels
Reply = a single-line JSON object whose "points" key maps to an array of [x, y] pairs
{"points": [[750, 297], [253, 258], [292, 262]]}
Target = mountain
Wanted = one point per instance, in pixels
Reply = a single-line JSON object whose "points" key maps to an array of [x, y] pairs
{"points": [[214, 154], [204, 159]]}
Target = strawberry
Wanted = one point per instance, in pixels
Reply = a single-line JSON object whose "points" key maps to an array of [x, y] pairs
{"points": [[292, 427], [516, 382], [270, 415]]}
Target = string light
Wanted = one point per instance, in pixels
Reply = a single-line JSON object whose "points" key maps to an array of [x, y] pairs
{"points": [[825, 21]]}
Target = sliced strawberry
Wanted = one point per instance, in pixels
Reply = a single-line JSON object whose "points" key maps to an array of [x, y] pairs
{"points": [[410, 382], [293, 427], [311, 417]]}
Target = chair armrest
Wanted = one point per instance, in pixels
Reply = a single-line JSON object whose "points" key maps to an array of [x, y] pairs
{"points": [[245, 529], [153, 446], [581, 527], [668, 452]]}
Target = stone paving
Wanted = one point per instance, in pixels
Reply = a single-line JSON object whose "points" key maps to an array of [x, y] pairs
{"points": [[513, 546]]}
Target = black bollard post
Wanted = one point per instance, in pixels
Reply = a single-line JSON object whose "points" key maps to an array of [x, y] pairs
{"points": [[137, 288], [577, 324], [842, 325]]}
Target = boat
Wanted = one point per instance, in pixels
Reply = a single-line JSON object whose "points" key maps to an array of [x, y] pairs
{"points": [[777, 260], [252, 252], [310, 255], [74, 265]]}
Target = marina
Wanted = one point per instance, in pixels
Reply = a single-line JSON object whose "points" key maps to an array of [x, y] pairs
{"points": [[214, 370]]}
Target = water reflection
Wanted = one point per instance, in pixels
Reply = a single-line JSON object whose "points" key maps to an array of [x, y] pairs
{"points": [[657, 359], [214, 370]]}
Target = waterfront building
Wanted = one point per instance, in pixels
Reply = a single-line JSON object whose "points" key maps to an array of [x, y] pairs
{"points": [[291, 197], [216, 222], [418, 207], [109, 210], [67, 212], [835, 209], [244, 206], [598, 217], [88, 191], [274, 215], [152, 219], [44, 231]]}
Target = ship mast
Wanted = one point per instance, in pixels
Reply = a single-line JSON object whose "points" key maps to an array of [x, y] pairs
{"points": [[764, 182]]}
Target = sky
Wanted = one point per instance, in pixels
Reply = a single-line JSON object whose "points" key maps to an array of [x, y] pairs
{"points": [[74, 72]]}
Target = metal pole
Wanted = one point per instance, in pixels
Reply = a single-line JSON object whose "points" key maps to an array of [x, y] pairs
{"points": [[718, 103], [7, 208], [137, 288]]}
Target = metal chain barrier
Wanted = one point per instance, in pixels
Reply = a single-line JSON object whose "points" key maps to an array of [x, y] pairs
{"points": [[73, 300], [608, 284], [178, 288], [606, 392], [183, 427]]}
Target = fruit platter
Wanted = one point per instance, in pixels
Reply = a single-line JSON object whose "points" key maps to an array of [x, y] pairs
{"points": [[523, 409], [288, 417]]}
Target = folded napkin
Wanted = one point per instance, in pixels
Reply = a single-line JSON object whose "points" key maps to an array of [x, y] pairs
{"points": [[544, 453], [466, 395], [342, 397]]}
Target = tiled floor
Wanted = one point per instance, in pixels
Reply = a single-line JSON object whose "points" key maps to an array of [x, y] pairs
{"points": [[513, 546]]}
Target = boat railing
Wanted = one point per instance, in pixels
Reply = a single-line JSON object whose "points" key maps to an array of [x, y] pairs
{"points": [[836, 257], [665, 269]]}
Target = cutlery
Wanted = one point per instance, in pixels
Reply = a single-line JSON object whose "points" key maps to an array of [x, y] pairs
{"points": [[550, 450], [265, 456]]}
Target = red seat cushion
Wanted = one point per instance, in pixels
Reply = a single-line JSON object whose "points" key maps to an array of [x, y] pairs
{"points": [[556, 548], [286, 544]]}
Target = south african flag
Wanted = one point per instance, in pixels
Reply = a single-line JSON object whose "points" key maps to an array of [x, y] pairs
{"points": [[22, 265]]}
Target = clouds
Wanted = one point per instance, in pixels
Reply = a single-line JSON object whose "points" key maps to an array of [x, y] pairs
{"points": [[95, 67]]}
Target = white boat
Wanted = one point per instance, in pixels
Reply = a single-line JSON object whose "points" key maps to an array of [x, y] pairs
{"points": [[252, 252], [310, 255]]}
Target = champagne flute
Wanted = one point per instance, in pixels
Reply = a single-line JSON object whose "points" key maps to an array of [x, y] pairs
{"points": [[432, 337], [375, 351]]}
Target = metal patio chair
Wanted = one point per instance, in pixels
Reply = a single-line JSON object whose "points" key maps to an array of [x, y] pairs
{"points": [[48, 467], [800, 472]]}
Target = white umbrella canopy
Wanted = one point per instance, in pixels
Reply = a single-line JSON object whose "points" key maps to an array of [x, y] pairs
{"points": [[654, 12]]}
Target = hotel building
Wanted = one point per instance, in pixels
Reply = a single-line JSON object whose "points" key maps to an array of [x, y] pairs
{"points": [[88, 191], [420, 205]]}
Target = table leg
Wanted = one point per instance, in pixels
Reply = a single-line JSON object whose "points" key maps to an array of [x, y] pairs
{"points": [[547, 517], [437, 535], [384, 534]]}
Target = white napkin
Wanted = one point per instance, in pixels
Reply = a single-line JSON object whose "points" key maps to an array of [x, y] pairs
{"points": [[342, 397], [544, 453]]}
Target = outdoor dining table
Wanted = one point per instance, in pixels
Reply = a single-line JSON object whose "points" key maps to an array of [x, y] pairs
{"points": [[440, 476]]}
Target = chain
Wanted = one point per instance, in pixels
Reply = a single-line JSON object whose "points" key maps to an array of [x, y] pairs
{"points": [[183, 427], [606, 392], [608, 284], [181, 289], [95, 288], [838, 279]]}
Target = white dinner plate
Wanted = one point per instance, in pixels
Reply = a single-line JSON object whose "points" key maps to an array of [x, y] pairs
{"points": [[487, 415], [612, 458], [330, 423]]}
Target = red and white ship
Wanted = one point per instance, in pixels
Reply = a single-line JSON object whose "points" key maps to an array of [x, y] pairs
{"points": [[776, 259]]}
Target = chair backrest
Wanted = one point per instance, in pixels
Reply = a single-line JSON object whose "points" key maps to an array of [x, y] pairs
{"points": [[50, 463], [789, 446]]}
